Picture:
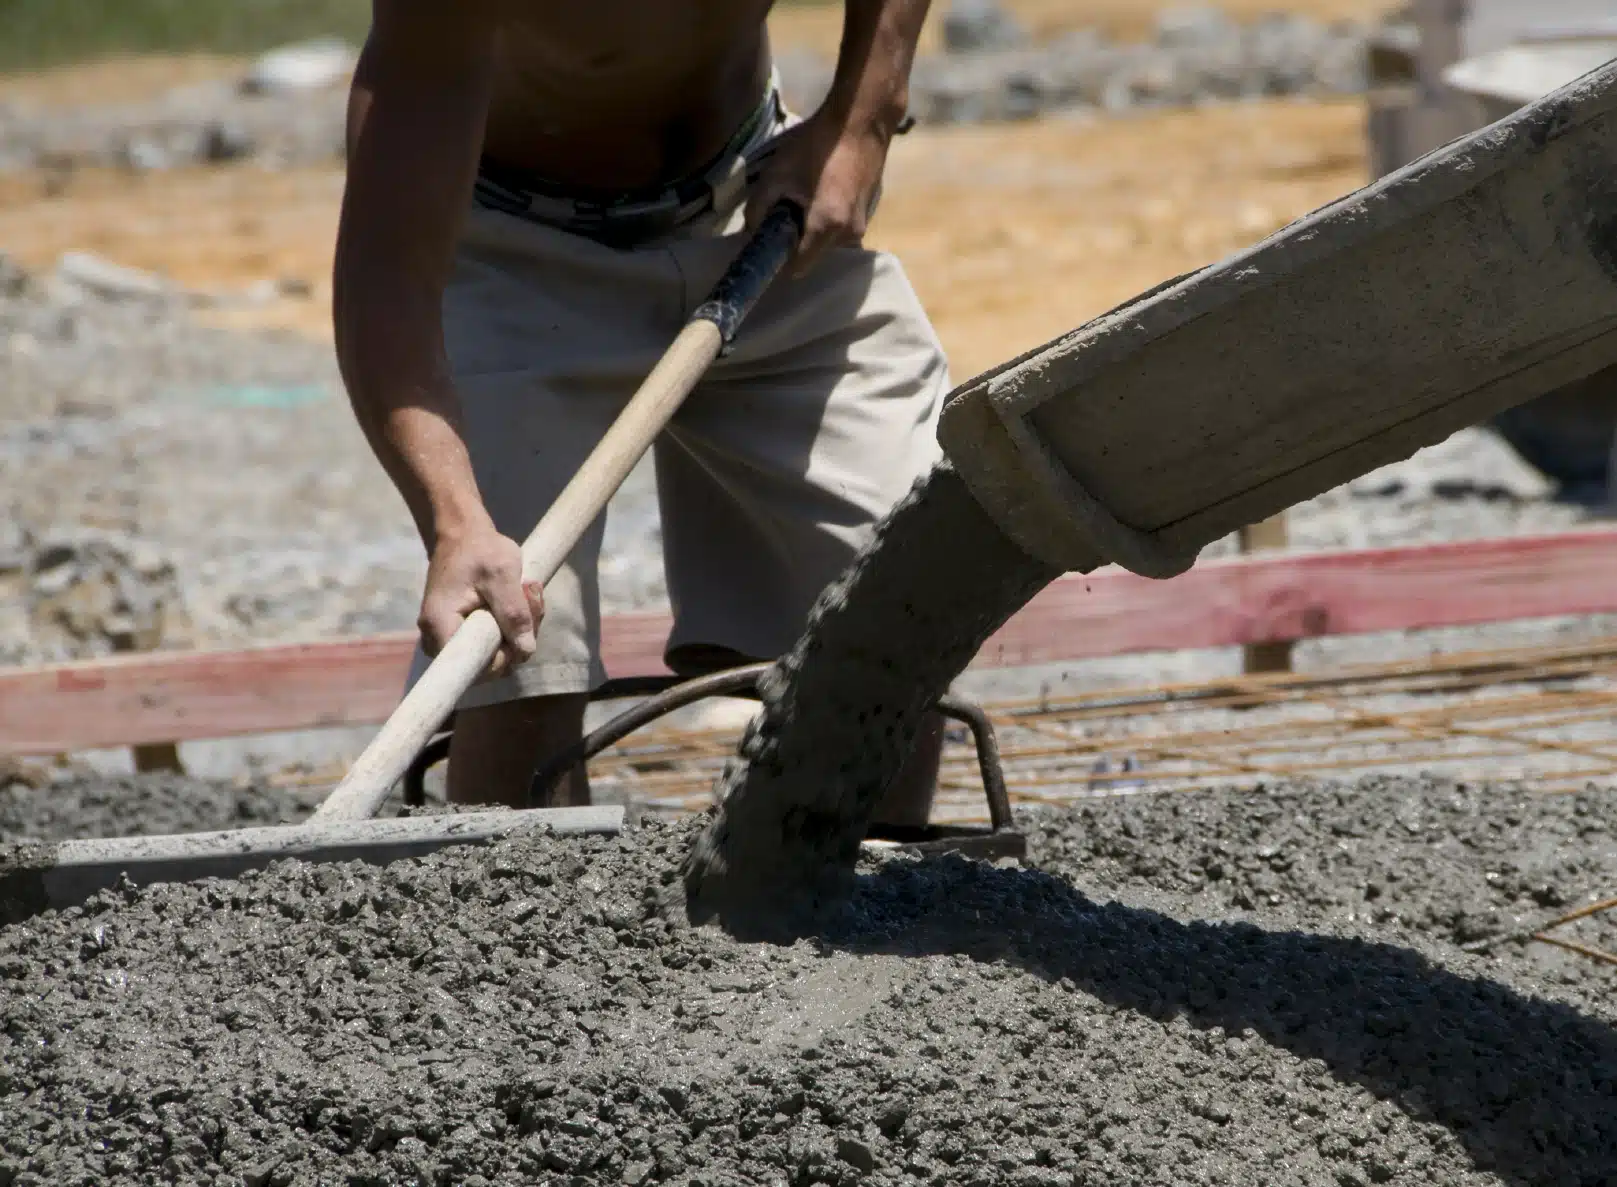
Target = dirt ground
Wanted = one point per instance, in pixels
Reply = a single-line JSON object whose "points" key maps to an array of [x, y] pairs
{"points": [[1012, 234]]}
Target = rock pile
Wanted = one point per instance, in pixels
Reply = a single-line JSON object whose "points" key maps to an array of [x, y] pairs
{"points": [[84, 593], [290, 107], [204, 124], [971, 25], [1196, 56], [991, 69], [88, 336], [220, 477]]}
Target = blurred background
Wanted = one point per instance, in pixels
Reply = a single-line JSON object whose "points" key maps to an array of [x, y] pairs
{"points": [[178, 465]]}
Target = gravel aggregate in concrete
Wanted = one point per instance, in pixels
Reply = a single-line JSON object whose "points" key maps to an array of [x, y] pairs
{"points": [[75, 804], [1203, 988]]}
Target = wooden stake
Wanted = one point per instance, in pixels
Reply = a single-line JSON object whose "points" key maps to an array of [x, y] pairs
{"points": [[163, 755], [1440, 114], [1275, 656]]}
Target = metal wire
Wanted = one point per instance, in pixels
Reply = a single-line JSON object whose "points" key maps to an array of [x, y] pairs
{"points": [[1543, 718], [1541, 934]]}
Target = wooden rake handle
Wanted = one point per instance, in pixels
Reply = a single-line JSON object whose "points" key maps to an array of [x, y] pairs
{"points": [[707, 334]]}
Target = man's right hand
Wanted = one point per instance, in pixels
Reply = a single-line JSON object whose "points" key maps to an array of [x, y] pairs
{"points": [[475, 570]]}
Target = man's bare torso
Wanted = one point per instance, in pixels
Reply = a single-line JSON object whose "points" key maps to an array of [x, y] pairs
{"points": [[623, 94]]}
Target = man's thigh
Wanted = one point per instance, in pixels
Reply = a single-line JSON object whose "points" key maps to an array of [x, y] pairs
{"points": [[547, 335], [778, 468]]}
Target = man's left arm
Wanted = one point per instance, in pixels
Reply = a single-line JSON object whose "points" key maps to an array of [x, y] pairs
{"points": [[832, 163]]}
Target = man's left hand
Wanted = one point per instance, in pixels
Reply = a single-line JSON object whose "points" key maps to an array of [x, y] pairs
{"points": [[833, 172]]}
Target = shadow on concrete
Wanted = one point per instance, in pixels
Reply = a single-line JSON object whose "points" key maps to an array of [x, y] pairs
{"points": [[1528, 1086]]}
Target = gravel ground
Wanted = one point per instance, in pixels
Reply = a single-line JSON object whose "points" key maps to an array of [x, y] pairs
{"points": [[235, 458], [1202, 988], [231, 455]]}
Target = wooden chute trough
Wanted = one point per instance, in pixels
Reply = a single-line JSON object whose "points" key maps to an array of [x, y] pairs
{"points": [[1471, 280]]}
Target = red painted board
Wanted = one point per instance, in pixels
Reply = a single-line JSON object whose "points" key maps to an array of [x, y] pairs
{"points": [[1267, 597]]}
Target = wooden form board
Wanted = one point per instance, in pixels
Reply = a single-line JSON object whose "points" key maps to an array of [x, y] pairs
{"points": [[1265, 597]]}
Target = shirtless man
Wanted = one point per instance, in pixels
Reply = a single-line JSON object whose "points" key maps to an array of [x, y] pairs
{"points": [[537, 196]]}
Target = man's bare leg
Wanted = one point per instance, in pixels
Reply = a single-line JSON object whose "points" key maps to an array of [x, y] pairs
{"points": [[496, 749], [908, 802]]}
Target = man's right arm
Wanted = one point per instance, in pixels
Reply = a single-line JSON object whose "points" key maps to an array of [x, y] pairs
{"points": [[415, 130]]}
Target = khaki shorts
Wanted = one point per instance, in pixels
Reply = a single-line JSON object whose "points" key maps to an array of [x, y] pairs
{"points": [[770, 477]]}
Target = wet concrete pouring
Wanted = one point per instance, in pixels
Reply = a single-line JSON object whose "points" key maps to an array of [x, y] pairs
{"points": [[842, 710], [1206, 987]]}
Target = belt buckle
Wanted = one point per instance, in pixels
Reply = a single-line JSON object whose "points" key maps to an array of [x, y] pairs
{"points": [[625, 224]]}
